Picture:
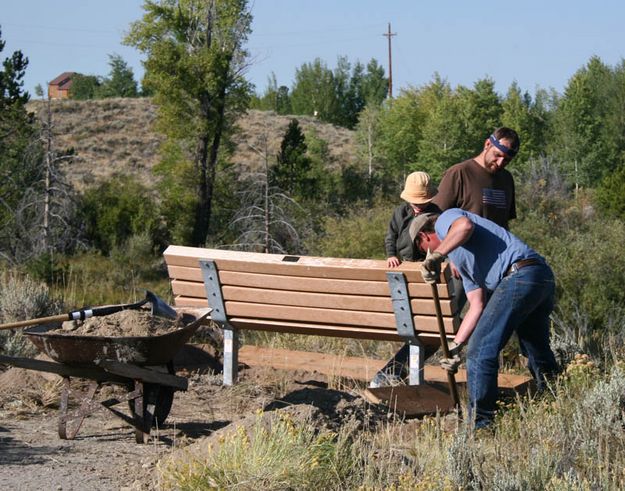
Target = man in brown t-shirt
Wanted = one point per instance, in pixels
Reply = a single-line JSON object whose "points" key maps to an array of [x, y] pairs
{"points": [[482, 185]]}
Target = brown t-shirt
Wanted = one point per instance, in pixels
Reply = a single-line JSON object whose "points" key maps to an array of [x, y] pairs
{"points": [[469, 186]]}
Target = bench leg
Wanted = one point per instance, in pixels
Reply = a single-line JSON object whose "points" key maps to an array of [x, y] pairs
{"points": [[231, 356], [416, 363], [410, 358]]}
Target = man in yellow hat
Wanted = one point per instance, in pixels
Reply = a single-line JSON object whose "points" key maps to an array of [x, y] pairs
{"points": [[400, 238]]}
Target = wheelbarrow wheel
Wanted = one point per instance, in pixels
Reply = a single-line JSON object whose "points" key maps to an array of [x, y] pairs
{"points": [[163, 398], [157, 400]]}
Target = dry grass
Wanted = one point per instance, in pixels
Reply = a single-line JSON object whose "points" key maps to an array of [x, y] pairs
{"points": [[570, 440], [111, 136], [257, 124], [116, 136]]}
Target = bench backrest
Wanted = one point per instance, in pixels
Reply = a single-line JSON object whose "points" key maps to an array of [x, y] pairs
{"points": [[309, 295]]}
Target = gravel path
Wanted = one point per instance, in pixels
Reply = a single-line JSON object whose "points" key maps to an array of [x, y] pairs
{"points": [[104, 455]]}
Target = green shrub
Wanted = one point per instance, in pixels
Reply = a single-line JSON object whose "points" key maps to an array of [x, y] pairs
{"points": [[93, 279], [117, 209], [589, 269], [50, 268], [583, 247], [610, 194], [359, 235]]}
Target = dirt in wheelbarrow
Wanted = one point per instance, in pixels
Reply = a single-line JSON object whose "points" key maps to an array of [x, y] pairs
{"points": [[104, 454], [126, 323]]}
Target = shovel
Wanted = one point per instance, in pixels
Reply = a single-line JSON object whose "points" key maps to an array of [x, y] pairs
{"points": [[159, 308], [451, 378]]}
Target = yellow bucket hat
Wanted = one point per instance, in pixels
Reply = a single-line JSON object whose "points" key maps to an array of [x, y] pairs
{"points": [[418, 189]]}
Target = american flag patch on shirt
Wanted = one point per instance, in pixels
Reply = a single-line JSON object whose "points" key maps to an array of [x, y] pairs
{"points": [[494, 197]]}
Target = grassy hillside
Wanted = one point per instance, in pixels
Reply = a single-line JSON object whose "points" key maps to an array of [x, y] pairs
{"points": [[116, 136]]}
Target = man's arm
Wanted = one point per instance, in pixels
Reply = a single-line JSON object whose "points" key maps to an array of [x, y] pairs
{"points": [[476, 307], [459, 232], [390, 239]]}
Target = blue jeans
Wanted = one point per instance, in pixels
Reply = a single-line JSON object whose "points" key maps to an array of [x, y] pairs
{"points": [[521, 303]]}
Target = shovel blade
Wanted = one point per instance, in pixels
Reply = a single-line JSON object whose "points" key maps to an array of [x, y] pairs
{"points": [[160, 308]]}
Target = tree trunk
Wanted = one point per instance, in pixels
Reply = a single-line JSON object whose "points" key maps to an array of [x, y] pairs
{"points": [[202, 218], [208, 171], [48, 178]]}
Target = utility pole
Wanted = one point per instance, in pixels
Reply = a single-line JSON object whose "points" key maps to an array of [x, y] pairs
{"points": [[389, 35]]}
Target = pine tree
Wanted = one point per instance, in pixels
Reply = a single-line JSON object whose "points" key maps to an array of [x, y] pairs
{"points": [[579, 125], [85, 87], [529, 118], [18, 171], [291, 173], [121, 81]]}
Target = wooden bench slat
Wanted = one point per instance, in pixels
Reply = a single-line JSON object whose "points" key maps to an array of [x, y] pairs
{"points": [[356, 332], [348, 317], [189, 282], [329, 316], [188, 256], [330, 272], [306, 299], [318, 267], [295, 283], [329, 301]]}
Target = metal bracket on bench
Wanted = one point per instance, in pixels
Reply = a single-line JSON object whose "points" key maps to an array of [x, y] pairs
{"points": [[405, 325], [218, 314]]}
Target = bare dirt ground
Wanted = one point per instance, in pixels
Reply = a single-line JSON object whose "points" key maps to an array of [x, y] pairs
{"points": [[104, 454]]}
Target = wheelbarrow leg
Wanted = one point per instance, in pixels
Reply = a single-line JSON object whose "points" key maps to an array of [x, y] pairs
{"points": [[143, 414], [86, 407]]}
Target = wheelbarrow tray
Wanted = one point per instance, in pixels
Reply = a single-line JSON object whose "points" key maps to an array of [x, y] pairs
{"points": [[85, 351]]}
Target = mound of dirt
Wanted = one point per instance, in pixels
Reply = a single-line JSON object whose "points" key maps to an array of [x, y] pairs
{"points": [[25, 391], [127, 323]]}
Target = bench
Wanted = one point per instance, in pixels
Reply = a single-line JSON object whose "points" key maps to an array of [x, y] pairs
{"points": [[349, 298]]}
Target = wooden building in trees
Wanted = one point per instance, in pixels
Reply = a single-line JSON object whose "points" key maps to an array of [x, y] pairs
{"points": [[60, 86]]}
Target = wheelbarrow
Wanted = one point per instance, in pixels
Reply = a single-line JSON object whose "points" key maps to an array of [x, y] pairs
{"points": [[142, 365]]}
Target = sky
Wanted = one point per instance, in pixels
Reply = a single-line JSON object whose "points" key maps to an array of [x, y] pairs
{"points": [[537, 43]]}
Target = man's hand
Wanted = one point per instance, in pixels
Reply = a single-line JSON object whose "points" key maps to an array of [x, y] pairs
{"points": [[454, 348], [431, 267], [393, 262], [452, 363]]}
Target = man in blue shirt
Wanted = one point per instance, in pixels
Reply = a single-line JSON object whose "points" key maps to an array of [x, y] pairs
{"points": [[509, 287]]}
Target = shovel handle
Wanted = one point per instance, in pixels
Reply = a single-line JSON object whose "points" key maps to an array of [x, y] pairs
{"points": [[34, 322], [451, 378], [76, 315]]}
